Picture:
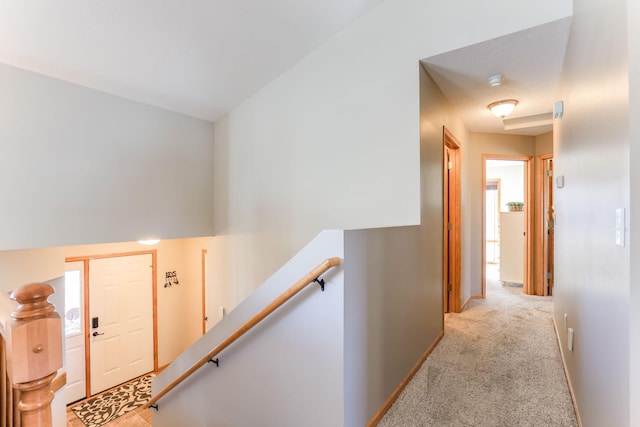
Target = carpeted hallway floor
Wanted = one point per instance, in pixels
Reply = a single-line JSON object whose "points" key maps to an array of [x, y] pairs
{"points": [[497, 365]]}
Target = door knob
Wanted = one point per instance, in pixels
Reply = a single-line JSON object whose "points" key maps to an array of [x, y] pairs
{"points": [[95, 334]]}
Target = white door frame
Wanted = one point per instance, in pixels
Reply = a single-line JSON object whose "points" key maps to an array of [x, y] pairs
{"points": [[78, 339], [528, 215]]}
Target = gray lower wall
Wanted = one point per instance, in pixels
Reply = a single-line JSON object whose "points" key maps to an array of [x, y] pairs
{"points": [[393, 313], [435, 114]]}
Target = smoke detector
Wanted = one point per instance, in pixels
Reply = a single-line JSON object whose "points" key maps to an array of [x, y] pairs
{"points": [[496, 80]]}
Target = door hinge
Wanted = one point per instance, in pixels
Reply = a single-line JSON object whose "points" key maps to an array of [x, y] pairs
{"points": [[549, 172], [549, 275], [550, 224], [449, 226], [449, 165], [449, 287]]}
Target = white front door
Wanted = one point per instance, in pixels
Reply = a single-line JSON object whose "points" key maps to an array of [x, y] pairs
{"points": [[120, 319], [74, 328]]}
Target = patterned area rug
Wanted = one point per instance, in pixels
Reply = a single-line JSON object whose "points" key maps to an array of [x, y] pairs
{"points": [[106, 407]]}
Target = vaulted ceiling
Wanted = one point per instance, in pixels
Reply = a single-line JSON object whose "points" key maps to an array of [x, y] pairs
{"points": [[197, 57], [204, 57]]}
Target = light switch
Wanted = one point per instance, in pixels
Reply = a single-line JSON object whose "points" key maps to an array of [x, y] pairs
{"points": [[221, 312], [570, 339], [620, 227]]}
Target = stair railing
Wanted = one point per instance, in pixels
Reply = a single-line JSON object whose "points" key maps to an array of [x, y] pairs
{"points": [[30, 356], [311, 277]]}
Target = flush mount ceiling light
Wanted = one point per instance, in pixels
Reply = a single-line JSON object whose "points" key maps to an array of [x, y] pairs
{"points": [[502, 108], [149, 241]]}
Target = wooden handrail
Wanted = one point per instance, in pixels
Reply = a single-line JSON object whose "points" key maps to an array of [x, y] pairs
{"points": [[273, 306]]}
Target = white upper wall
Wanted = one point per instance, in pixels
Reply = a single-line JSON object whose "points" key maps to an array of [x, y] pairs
{"points": [[80, 166], [334, 141]]}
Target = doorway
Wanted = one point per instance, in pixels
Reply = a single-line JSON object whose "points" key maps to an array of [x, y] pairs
{"points": [[506, 233], [452, 219], [119, 320]]}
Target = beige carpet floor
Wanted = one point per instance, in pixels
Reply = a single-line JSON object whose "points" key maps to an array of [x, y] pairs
{"points": [[498, 365]]}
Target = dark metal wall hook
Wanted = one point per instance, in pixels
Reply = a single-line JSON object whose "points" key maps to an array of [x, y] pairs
{"points": [[216, 361]]}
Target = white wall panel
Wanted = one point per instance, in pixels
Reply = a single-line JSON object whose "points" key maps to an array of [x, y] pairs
{"points": [[80, 166], [334, 141]]}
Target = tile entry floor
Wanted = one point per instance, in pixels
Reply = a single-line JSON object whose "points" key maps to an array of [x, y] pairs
{"points": [[136, 418]]}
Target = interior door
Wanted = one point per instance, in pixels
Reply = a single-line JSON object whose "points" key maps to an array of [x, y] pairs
{"points": [[121, 319], [452, 215], [74, 331], [549, 225]]}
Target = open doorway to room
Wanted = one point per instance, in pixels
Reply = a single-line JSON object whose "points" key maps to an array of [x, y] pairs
{"points": [[507, 222], [463, 83], [156, 290], [117, 310]]}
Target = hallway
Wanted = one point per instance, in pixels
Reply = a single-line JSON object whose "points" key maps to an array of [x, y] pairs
{"points": [[497, 365]]}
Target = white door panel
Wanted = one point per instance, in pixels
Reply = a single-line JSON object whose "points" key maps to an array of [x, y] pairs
{"points": [[121, 297]]}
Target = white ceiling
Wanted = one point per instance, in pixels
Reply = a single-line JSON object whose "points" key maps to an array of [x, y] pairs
{"points": [[197, 57], [531, 62]]}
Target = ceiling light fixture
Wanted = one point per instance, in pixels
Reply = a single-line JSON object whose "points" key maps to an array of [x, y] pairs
{"points": [[149, 241], [502, 108]]}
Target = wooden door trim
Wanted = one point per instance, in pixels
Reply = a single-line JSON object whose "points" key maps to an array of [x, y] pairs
{"points": [[445, 237], [87, 361], [529, 201], [528, 216], [452, 143], [540, 287], [204, 284], [111, 255], [154, 297]]}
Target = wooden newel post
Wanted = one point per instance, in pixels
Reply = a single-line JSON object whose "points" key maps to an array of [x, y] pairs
{"points": [[36, 352]]}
